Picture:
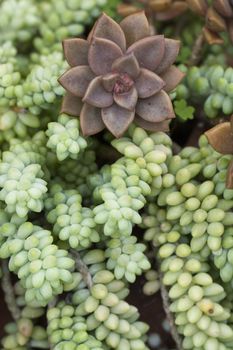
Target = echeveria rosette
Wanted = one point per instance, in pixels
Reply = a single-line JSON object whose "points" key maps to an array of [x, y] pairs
{"points": [[120, 74]]}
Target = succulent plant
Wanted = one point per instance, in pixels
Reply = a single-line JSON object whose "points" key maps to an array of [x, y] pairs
{"points": [[210, 84], [220, 138], [163, 10], [218, 18], [120, 74], [84, 221]]}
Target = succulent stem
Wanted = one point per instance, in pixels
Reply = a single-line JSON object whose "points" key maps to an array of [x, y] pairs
{"points": [[83, 269], [165, 299], [8, 290], [197, 50]]}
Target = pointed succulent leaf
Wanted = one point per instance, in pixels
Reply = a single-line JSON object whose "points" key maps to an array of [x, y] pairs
{"points": [[125, 10], [76, 80], [96, 95], [109, 81], [117, 119], [160, 6], [91, 120], [155, 108], [198, 6], [107, 28], [135, 27], [149, 51], [71, 105], [76, 51], [223, 7], [220, 138], [174, 10], [148, 83], [214, 21], [212, 37], [127, 100], [127, 64], [172, 77], [161, 126], [171, 51], [102, 54]]}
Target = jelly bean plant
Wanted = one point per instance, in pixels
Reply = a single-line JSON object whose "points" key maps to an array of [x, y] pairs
{"points": [[116, 174]]}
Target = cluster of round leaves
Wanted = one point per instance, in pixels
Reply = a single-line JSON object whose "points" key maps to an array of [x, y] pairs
{"points": [[8, 52], [62, 19], [72, 222], [197, 302], [191, 228], [213, 84], [45, 24], [43, 268], [30, 94], [68, 331], [17, 122], [126, 257], [23, 335], [98, 317], [81, 174], [19, 20], [21, 176], [196, 207], [41, 89], [187, 202], [131, 179], [65, 138], [9, 84]]}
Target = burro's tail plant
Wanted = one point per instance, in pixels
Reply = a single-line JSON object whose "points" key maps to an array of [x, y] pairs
{"points": [[95, 198], [193, 234], [68, 217]]}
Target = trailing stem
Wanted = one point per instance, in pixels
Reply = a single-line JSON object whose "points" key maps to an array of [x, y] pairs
{"points": [[9, 293], [83, 269], [197, 50], [165, 299]]}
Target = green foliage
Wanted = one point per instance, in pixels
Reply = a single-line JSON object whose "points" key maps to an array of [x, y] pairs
{"points": [[65, 138], [23, 335], [213, 85], [22, 178], [9, 80], [99, 318], [17, 123], [131, 177], [41, 266], [7, 53], [183, 111], [193, 227], [63, 19], [19, 21], [41, 88], [126, 258], [81, 174], [71, 207], [71, 221]]}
